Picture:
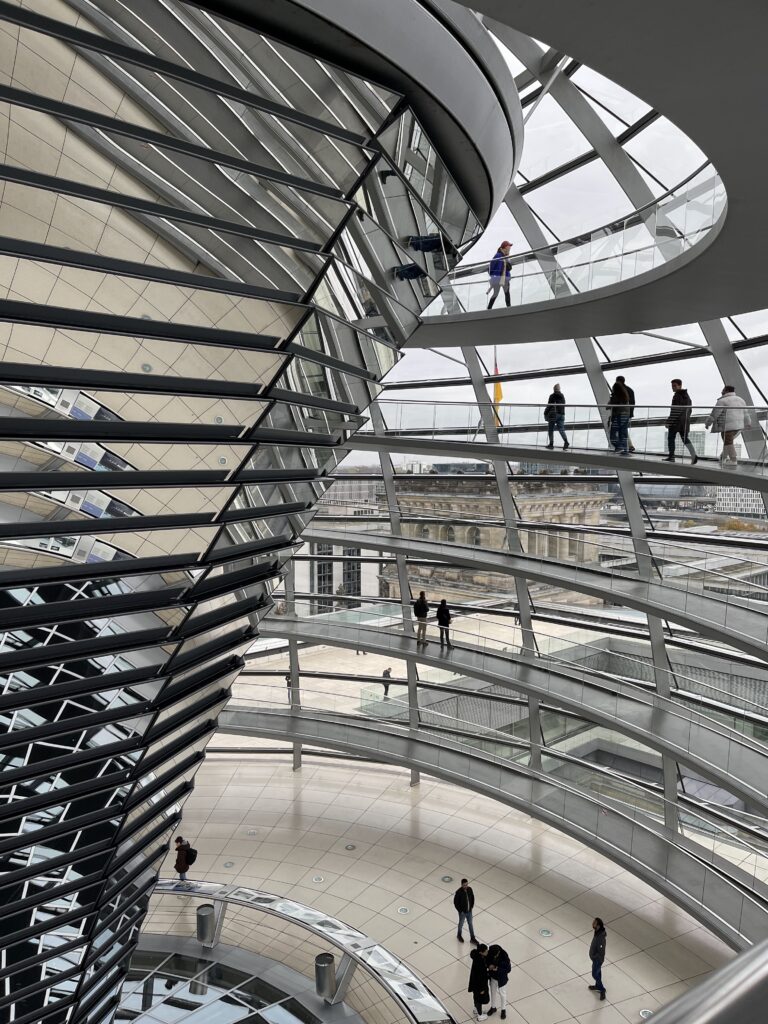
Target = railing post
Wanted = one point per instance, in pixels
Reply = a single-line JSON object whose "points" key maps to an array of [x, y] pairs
{"points": [[344, 976]]}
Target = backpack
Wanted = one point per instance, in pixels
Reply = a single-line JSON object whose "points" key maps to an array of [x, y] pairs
{"points": [[191, 856]]}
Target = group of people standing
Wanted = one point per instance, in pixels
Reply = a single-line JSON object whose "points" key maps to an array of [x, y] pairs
{"points": [[421, 614], [728, 418], [491, 966], [489, 973]]}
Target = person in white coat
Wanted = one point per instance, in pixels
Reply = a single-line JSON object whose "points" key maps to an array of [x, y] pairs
{"points": [[728, 418]]}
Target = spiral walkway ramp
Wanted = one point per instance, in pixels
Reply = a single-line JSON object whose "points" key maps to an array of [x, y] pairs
{"points": [[255, 397]]}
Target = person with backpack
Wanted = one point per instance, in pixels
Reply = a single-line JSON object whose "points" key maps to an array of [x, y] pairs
{"points": [[421, 611], [679, 422], [499, 273], [554, 414], [185, 857], [498, 965], [443, 622]]}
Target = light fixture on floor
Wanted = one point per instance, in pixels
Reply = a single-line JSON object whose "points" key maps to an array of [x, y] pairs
{"points": [[350, 846], [545, 932], [447, 878], [403, 910], [318, 878], [645, 1014]]}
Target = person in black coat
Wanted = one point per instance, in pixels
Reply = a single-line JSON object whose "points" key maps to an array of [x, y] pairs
{"points": [[464, 901], [443, 622], [182, 857], [619, 406], [679, 421], [597, 956], [478, 980], [554, 414], [631, 394], [421, 611], [498, 966]]}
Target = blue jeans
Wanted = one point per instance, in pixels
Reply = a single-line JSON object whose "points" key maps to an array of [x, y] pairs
{"points": [[619, 432], [597, 974], [557, 423], [466, 916]]}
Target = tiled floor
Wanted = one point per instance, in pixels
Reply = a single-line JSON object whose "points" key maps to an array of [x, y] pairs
{"points": [[278, 830]]}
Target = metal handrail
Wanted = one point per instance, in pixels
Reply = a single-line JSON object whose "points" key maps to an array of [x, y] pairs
{"points": [[612, 227], [399, 981], [734, 992]]}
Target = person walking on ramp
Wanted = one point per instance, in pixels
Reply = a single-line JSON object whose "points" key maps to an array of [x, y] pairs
{"points": [[679, 422], [499, 273]]}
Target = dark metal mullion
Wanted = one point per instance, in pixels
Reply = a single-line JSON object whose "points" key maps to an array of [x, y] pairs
{"points": [[331, 362], [237, 552], [83, 687], [171, 797], [150, 762], [85, 721], [161, 784], [99, 262], [149, 208], [98, 784], [249, 513], [120, 380], [114, 126], [122, 567], [110, 480], [221, 617], [14, 428], [158, 65], [73, 650], [85, 527], [39, 1016], [31, 772], [72, 480], [214, 586], [287, 397], [30, 616], [73, 319], [280, 372]]}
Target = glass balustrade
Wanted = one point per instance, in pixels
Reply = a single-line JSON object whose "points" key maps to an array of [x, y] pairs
{"points": [[564, 674], [723, 590], [732, 841], [587, 429], [644, 240]]}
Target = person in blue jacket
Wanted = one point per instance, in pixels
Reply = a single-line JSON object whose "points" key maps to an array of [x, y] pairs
{"points": [[499, 273], [499, 965]]}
